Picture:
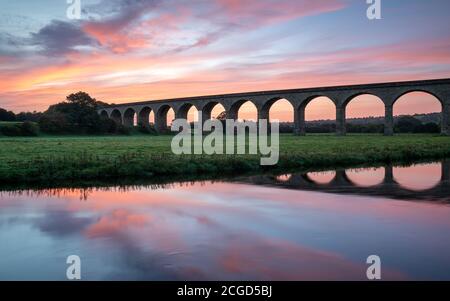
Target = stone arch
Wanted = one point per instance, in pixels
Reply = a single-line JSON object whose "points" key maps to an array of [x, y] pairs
{"points": [[116, 115], [354, 96], [301, 113], [440, 106], [364, 100], [233, 112], [209, 108], [183, 111], [144, 116], [268, 106], [104, 114], [129, 117], [413, 90], [161, 118]]}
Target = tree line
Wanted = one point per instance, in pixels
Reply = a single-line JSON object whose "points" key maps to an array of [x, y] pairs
{"points": [[77, 115]]}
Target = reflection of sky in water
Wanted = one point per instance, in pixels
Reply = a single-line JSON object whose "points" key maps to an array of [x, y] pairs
{"points": [[321, 177], [365, 177], [418, 177], [224, 231]]}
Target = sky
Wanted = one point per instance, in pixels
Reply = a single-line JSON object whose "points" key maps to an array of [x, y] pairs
{"points": [[124, 50]]}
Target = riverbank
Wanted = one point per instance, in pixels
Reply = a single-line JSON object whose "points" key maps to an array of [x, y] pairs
{"points": [[108, 158]]}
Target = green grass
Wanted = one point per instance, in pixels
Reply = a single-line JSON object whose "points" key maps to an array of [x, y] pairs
{"points": [[3, 123], [78, 158]]}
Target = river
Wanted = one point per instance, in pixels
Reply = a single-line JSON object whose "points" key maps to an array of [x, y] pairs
{"points": [[295, 226]]}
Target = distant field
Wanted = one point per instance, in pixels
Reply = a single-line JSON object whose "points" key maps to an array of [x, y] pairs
{"points": [[35, 159], [10, 123]]}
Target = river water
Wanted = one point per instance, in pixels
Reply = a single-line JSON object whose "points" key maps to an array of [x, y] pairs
{"points": [[296, 226]]}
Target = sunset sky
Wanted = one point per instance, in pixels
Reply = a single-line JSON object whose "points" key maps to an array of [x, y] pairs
{"points": [[124, 50]]}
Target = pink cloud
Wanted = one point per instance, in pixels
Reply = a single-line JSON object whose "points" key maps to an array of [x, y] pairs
{"points": [[270, 11]]}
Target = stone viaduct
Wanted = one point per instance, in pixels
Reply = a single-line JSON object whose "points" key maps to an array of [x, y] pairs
{"points": [[341, 96]]}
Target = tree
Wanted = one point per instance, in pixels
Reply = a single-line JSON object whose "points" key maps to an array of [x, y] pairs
{"points": [[407, 124], [29, 116], [7, 115], [78, 114], [222, 116]]}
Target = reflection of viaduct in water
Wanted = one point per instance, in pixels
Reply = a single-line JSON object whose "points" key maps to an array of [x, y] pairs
{"points": [[341, 96], [342, 184]]}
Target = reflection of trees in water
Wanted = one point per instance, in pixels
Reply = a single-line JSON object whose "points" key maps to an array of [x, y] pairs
{"points": [[340, 183], [85, 192]]}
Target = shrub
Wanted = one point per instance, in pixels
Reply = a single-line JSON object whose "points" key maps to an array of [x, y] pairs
{"points": [[11, 130], [29, 129], [107, 126], [54, 123], [123, 130], [147, 129], [19, 129]]}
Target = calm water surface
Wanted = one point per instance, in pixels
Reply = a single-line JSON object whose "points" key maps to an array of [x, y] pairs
{"points": [[315, 226]]}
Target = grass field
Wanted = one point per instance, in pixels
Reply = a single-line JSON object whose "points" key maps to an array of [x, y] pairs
{"points": [[44, 159]]}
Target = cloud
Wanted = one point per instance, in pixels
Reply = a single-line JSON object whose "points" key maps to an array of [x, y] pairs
{"points": [[60, 37], [167, 24], [122, 26], [11, 45], [116, 29], [263, 12], [62, 223]]}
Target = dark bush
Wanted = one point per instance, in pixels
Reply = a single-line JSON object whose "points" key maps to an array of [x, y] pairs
{"points": [[54, 123], [430, 127], [407, 124], [29, 116], [107, 126], [7, 115], [123, 130], [29, 129], [11, 130], [147, 129]]}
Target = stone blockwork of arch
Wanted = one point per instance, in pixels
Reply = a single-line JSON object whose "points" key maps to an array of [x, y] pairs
{"points": [[389, 93]]}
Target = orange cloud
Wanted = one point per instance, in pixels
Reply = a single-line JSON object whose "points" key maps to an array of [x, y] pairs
{"points": [[119, 220]]}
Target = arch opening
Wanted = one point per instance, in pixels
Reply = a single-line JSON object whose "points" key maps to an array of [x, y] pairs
{"points": [[104, 114], [321, 177], [366, 177], [189, 112], [320, 115], [130, 118], [146, 117], [214, 110], [192, 115], [417, 112], [418, 177], [283, 178], [365, 114], [280, 110], [116, 116], [246, 111], [164, 118]]}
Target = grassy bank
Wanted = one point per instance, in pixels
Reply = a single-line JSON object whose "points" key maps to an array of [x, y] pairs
{"points": [[44, 159]]}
